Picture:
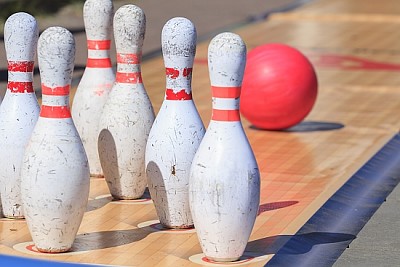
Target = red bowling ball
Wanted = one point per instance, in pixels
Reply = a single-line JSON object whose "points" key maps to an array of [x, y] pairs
{"points": [[279, 87]]}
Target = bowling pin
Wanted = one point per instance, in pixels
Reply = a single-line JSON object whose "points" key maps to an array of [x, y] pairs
{"points": [[224, 185], [177, 129], [20, 109], [97, 80], [55, 173], [128, 114]]}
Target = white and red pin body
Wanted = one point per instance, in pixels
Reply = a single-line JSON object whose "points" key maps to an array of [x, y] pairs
{"points": [[97, 80], [177, 130], [224, 188], [20, 109], [55, 172], [128, 114]]}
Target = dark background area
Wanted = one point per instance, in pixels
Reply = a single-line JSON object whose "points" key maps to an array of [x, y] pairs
{"points": [[34, 7]]}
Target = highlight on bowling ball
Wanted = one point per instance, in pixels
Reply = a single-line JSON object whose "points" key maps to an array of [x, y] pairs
{"points": [[279, 87]]}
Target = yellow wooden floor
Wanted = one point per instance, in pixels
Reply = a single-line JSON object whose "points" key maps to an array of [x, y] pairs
{"points": [[355, 48]]}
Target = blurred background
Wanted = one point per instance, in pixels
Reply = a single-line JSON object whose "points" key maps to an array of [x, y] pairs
{"points": [[210, 17]]}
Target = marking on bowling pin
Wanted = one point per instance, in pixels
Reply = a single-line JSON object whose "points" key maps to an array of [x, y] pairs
{"points": [[174, 73], [96, 59], [53, 111], [125, 62], [226, 103], [15, 68], [19, 110]]}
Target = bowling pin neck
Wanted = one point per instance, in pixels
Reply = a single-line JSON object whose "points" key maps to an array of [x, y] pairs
{"points": [[225, 103], [20, 37], [97, 16], [129, 30], [178, 83], [128, 68], [56, 53], [98, 54], [55, 102], [20, 76], [178, 40], [226, 62], [20, 40]]}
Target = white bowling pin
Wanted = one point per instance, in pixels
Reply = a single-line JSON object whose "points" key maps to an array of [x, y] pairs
{"points": [[128, 114], [177, 129], [224, 185], [97, 80], [20, 109], [55, 172]]}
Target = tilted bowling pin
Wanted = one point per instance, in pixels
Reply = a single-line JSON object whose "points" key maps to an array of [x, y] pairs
{"points": [[128, 114], [224, 185], [55, 173], [20, 109], [97, 80], [177, 129]]}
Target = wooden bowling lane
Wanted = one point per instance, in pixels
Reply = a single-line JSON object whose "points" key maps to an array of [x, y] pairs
{"points": [[354, 116]]}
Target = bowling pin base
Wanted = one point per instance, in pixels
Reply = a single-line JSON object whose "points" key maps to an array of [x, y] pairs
{"points": [[13, 217], [223, 259], [116, 198], [191, 226], [97, 175], [52, 250]]}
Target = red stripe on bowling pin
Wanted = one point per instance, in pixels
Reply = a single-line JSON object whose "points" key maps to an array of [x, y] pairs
{"points": [[128, 77], [21, 66], [20, 87], [55, 91], [181, 95], [128, 58], [174, 73], [99, 44], [55, 112], [225, 93], [98, 62], [225, 115], [58, 112]]}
